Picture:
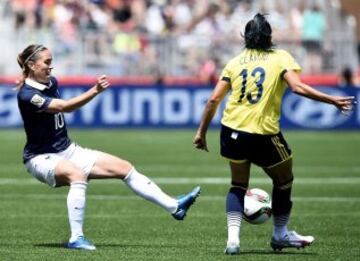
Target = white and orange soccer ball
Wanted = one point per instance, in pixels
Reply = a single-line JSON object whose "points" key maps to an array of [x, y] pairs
{"points": [[257, 209]]}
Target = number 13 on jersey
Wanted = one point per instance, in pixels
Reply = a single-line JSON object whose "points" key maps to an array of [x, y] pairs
{"points": [[259, 74]]}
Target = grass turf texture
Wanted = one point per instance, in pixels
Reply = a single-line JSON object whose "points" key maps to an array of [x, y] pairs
{"points": [[33, 217]]}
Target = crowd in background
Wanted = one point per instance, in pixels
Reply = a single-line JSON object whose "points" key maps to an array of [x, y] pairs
{"points": [[203, 34]]}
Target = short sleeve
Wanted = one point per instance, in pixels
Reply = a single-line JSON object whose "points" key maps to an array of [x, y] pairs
{"points": [[226, 74], [287, 62], [35, 100], [53, 82]]}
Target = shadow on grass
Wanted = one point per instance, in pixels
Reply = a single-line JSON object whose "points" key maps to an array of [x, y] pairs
{"points": [[280, 253], [101, 246], [51, 245]]}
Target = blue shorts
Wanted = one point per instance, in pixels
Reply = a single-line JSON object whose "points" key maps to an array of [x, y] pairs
{"points": [[262, 150]]}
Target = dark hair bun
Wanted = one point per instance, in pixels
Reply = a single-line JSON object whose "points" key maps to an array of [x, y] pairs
{"points": [[258, 33]]}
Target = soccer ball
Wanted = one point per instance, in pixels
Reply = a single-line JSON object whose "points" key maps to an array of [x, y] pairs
{"points": [[257, 209]]}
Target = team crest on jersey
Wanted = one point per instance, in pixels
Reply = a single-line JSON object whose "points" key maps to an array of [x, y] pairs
{"points": [[37, 100]]}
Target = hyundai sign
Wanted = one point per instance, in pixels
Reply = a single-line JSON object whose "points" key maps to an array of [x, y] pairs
{"points": [[301, 112], [159, 107]]}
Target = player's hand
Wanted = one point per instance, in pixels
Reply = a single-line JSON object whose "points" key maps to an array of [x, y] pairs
{"points": [[199, 142], [344, 103], [102, 83]]}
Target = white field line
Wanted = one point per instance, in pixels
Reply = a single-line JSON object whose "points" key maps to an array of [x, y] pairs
{"points": [[127, 215], [206, 180], [265, 180], [16, 196], [223, 168], [219, 168]]}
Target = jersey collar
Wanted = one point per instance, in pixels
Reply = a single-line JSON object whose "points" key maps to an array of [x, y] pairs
{"points": [[37, 85]]}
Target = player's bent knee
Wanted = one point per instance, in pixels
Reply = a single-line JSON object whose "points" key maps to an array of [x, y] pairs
{"points": [[128, 166], [78, 176], [66, 178], [118, 167], [122, 169]]}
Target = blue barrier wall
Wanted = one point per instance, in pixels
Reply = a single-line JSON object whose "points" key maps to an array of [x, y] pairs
{"points": [[159, 107]]}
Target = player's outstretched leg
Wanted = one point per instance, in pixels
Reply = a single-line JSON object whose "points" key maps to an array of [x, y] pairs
{"points": [[147, 189], [185, 202], [291, 240]]}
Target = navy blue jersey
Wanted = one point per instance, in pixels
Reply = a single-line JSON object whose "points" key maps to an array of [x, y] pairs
{"points": [[45, 132]]}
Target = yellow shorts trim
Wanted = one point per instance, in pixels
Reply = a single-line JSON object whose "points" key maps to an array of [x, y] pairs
{"points": [[235, 161], [280, 148], [290, 157]]}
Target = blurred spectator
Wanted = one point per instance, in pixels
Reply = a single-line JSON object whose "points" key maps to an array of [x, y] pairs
{"points": [[154, 22], [352, 8], [178, 15], [279, 20], [189, 37], [208, 73], [347, 78], [96, 25], [242, 13], [66, 19], [313, 33], [297, 20], [206, 23]]}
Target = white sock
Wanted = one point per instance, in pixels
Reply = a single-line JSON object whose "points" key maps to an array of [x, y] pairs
{"points": [[233, 223], [280, 226], [76, 207], [147, 189]]}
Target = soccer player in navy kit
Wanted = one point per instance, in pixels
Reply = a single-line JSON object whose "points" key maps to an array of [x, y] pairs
{"points": [[250, 132], [51, 157]]}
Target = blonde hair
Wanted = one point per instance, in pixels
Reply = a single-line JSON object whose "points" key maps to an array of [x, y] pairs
{"points": [[30, 53]]}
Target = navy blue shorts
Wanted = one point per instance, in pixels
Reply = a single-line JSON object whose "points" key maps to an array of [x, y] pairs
{"points": [[262, 150]]}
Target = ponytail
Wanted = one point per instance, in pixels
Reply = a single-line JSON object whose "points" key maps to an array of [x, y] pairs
{"points": [[30, 53]]}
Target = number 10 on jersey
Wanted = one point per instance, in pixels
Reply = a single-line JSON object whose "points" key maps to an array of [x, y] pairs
{"points": [[59, 120]]}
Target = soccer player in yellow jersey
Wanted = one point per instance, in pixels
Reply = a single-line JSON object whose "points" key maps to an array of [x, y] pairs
{"points": [[250, 133]]}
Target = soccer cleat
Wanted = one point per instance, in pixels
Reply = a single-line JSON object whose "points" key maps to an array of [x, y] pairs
{"points": [[291, 240], [232, 249], [81, 243], [184, 203]]}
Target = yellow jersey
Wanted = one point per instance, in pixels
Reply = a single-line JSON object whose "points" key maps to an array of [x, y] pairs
{"points": [[257, 87]]}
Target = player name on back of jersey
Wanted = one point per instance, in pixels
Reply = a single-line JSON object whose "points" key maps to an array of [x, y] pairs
{"points": [[253, 58]]}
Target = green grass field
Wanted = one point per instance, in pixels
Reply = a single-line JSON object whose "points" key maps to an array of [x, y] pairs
{"points": [[326, 195]]}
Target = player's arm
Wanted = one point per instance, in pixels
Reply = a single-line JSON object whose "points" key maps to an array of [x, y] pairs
{"points": [[220, 90], [343, 103], [60, 105]]}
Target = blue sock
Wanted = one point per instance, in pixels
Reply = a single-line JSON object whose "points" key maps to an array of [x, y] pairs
{"points": [[234, 209]]}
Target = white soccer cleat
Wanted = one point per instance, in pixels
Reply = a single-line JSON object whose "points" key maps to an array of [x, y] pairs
{"points": [[232, 249], [291, 240]]}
